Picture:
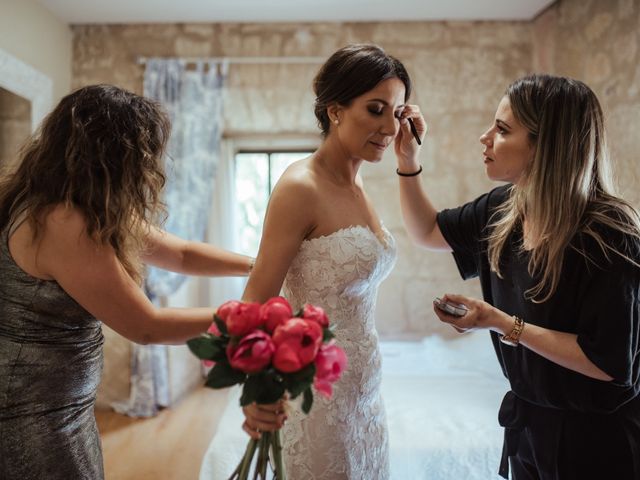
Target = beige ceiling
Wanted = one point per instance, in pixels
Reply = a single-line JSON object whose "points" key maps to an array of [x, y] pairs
{"points": [[161, 11]]}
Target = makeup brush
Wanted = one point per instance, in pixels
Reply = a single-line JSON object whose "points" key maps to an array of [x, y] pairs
{"points": [[414, 131]]}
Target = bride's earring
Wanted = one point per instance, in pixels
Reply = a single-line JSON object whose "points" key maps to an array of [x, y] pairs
{"points": [[336, 121]]}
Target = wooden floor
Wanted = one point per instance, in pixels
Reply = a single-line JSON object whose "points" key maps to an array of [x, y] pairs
{"points": [[169, 446]]}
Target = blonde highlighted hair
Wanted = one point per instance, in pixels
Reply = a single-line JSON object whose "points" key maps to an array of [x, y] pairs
{"points": [[100, 152], [568, 188]]}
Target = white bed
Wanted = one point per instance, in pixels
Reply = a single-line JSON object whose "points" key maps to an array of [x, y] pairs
{"points": [[442, 399]]}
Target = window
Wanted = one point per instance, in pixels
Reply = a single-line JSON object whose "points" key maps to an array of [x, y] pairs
{"points": [[256, 174]]}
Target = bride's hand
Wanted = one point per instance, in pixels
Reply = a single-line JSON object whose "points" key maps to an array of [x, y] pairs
{"points": [[406, 146], [263, 418]]}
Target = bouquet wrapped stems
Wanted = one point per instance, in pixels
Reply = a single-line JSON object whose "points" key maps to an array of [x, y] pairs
{"points": [[268, 447]]}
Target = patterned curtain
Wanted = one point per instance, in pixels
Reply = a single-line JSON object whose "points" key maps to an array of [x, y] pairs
{"points": [[193, 99]]}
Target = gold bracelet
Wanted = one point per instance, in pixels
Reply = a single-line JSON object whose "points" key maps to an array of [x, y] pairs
{"points": [[513, 339]]}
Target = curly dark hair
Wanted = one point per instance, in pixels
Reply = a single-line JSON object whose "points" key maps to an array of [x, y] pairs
{"points": [[99, 151]]}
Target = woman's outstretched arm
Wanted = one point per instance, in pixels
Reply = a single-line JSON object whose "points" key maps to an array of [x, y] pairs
{"points": [[167, 251], [94, 277], [561, 348]]}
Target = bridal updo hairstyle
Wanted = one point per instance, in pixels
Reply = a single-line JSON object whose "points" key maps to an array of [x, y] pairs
{"points": [[353, 71], [99, 151]]}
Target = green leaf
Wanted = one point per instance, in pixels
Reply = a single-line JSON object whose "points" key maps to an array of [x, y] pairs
{"points": [[222, 376], [221, 325], [249, 391], [327, 335], [221, 345], [204, 347], [264, 387], [298, 382], [306, 373], [307, 401]]}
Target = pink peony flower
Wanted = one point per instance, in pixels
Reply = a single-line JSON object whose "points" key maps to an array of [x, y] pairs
{"points": [[275, 312], [252, 353], [297, 343], [226, 308], [316, 314], [213, 329], [330, 362], [243, 318]]}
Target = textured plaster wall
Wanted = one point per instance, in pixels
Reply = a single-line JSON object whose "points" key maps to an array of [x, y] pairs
{"points": [[598, 42], [15, 125]]}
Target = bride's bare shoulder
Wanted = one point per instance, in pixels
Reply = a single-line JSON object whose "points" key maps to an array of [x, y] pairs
{"points": [[298, 181], [294, 200]]}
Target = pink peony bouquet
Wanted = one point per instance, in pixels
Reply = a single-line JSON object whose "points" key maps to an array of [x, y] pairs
{"points": [[272, 353]]}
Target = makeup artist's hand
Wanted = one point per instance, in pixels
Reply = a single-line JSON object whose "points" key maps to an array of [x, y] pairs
{"points": [[406, 146], [480, 315]]}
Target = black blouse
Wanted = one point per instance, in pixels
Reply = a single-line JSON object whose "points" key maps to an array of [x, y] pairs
{"points": [[596, 298]]}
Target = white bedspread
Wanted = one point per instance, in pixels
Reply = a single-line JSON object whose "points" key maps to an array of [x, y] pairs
{"points": [[442, 399]]}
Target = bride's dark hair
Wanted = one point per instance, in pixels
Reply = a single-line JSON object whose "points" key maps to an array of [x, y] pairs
{"points": [[350, 72]]}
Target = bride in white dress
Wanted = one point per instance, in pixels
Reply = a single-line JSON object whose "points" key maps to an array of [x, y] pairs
{"points": [[323, 244], [346, 436]]}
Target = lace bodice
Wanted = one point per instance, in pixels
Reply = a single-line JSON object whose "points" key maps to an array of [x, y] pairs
{"points": [[345, 437], [341, 272]]}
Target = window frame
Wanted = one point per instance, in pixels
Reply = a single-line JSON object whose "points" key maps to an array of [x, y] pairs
{"points": [[266, 144], [268, 153]]}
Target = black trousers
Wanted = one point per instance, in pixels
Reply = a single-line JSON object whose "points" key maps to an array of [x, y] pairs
{"points": [[550, 444]]}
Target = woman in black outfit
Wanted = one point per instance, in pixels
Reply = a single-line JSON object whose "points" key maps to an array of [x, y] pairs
{"points": [[558, 257]]}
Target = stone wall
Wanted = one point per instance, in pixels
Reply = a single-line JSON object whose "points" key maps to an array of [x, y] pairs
{"points": [[598, 42], [15, 125]]}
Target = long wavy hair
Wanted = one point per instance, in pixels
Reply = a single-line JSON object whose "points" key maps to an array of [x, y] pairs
{"points": [[568, 188], [99, 151]]}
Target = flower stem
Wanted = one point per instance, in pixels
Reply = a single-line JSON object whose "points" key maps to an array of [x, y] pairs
{"points": [[247, 459], [262, 461], [234, 475], [276, 446]]}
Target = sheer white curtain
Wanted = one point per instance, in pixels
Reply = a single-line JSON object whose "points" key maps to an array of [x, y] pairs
{"points": [[223, 228]]}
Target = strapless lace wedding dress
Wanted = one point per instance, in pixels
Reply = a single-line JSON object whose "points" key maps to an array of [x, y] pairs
{"points": [[344, 438]]}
